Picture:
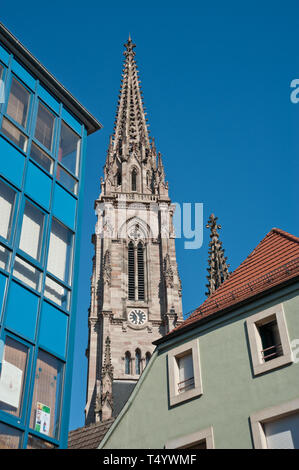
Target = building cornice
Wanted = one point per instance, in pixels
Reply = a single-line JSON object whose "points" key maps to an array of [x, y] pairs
{"points": [[47, 79]]}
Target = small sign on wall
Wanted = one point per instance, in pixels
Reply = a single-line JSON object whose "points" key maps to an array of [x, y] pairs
{"points": [[42, 420]]}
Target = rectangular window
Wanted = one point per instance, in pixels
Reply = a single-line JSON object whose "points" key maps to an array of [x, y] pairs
{"points": [[57, 293], [7, 204], [12, 378], [44, 128], [45, 411], [68, 153], [36, 443], [276, 427], [203, 439], [4, 257], [66, 179], [41, 158], [269, 340], [2, 91], [186, 373], [13, 133], [59, 256], [32, 231], [283, 433], [27, 273], [9, 437], [18, 103]]}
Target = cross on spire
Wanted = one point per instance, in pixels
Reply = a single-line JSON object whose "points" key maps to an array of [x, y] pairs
{"points": [[218, 268]]}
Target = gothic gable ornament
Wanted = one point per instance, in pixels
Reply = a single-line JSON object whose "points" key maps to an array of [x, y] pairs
{"points": [[218, 268]]}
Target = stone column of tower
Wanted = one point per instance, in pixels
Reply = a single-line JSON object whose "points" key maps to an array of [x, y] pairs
{"points": [[135, 285]]}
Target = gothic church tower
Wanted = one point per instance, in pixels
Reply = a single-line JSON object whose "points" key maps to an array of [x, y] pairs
{"points": [[135, 285]]}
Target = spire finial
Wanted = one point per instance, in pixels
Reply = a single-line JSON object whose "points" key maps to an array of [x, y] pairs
{"points": [[129, 45], [218, 268]]}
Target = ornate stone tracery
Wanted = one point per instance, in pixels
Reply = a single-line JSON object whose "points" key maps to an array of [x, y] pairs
{"points": [[218, 268], [135, 259]]}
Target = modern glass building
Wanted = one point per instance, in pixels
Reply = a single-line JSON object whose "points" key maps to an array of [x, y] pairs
{"points": [[43, 131]]}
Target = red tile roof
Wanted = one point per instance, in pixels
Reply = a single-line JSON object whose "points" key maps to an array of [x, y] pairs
{"points": [[274, 261], [89, 437]]}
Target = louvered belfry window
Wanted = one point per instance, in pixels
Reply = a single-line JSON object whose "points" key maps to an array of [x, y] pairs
{"points": [[140, 261], [136, 272], [131, 271]]}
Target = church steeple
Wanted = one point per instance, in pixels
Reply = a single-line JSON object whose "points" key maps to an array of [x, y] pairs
{"points": [[130, 144], [135, 285], [130, 122], [218, 268]]}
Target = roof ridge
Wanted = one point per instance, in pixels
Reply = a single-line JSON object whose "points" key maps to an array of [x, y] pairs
{"points": [[235, 273], [278, 231], [92, 425], [285, 234]]}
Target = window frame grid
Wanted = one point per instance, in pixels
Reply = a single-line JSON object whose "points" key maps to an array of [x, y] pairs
{"points": [[82, 135]]}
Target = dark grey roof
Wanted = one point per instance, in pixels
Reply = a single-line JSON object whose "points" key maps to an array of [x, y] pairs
{"points": [[42, 74], [89, 437]]}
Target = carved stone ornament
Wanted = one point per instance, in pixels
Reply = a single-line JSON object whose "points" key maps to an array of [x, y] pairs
{"points": [[168, 272], [107, 268]]}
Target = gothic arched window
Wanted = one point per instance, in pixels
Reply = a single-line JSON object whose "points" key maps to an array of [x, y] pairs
{"points": [[134, 180], [140, 263], [118, 178], [128, 363], [147, 358], [131, 271], [137, 362]]}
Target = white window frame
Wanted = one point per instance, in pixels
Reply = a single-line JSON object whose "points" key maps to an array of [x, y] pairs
{"points": [[259, 367], [183, 442], [267, 415], [173, 372]]}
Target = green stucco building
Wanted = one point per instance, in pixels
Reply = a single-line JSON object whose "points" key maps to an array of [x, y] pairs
{"points": [[228, 377]]}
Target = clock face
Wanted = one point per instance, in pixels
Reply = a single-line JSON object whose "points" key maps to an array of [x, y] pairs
{"points": [[137, 317]]}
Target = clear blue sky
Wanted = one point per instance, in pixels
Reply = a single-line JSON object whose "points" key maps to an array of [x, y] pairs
{"points": [[216, 81]]}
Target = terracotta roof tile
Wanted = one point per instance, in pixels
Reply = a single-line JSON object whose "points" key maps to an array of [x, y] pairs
{"points": [[88, 437], [273, 261]]}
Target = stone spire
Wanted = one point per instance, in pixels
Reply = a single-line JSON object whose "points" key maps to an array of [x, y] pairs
{"points": [[218, 268], [130, 129], [104, 405], [130, 145]]}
